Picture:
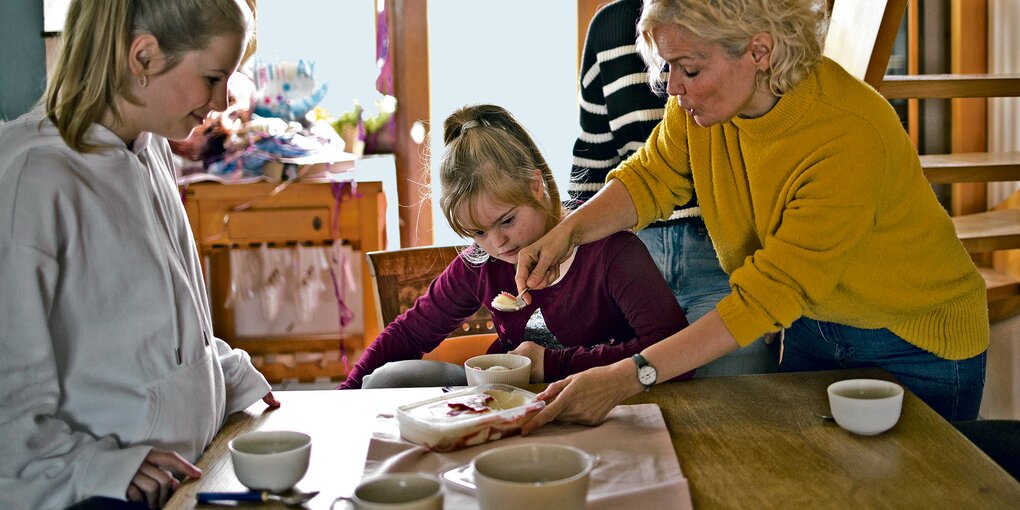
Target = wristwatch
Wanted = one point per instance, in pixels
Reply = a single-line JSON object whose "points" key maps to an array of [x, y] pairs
{"points": [[646, 373]]}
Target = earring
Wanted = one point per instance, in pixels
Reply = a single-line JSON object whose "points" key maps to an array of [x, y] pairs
{"points": [[143, 81]]}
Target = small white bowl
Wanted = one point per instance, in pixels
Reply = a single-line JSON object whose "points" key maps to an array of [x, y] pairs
{"points": [[539, 475], [512, 369], [270, 460], [866, 406]]}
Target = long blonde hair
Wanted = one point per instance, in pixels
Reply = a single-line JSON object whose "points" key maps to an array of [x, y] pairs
{"points": [[92, 69], [488, 152], [797, 28]]}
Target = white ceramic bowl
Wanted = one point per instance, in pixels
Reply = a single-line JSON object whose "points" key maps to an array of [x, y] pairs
{"points": [[399, 491], [270, 460], [512, 369], [866, 406], [541, 476]]}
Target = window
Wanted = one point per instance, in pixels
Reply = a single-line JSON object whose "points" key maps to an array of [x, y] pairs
{"points": [[338, 37], [521, 55]]}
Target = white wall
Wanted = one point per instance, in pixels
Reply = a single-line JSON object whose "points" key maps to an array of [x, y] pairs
{"points": [[1003, 112], [54, 14]]}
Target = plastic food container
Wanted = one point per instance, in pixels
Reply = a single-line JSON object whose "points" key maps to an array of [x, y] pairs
{"points": [[468, 417]]}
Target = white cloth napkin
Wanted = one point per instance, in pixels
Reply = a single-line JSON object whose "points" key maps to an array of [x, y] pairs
{"points": [[637, 467]]}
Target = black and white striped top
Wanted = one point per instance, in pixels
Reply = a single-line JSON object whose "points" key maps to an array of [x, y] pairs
{"points": [[618, 108]]}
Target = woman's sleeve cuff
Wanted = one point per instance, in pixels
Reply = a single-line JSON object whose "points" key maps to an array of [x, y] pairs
{"points": [[741, 321]]}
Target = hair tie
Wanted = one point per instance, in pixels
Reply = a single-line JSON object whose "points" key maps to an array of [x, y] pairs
{"points": [[468, 125]]}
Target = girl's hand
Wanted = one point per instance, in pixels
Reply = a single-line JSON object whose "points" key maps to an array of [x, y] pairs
{"points": [[586, 397], [271, 401], [536, 353], [538, 264], [153, 483]]}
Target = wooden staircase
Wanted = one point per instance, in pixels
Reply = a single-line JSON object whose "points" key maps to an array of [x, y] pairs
{"points": [[981, 232], [861, 36], [971, 167]]}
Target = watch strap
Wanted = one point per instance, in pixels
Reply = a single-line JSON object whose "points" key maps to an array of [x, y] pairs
{"points": [[641, 362]]}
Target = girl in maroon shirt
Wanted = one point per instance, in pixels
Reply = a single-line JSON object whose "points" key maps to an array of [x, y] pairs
{"points": [[610, 301]]}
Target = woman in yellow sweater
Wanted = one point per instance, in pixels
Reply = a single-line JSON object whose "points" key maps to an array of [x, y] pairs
{"points": [[815, 199]]}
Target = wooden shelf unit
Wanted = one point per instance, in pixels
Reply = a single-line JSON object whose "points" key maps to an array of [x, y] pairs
{"points": [[241, 216]]}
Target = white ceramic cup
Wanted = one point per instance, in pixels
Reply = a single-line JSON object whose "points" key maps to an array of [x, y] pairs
{"points": [[399, 491], [540, 476], [512, 369], [866, 406], [270, 460]]}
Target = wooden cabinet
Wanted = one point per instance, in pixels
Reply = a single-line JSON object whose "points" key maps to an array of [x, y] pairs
{"points": [[243, 216]]}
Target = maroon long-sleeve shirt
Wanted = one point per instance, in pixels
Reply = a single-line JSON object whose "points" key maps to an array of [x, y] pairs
{"points": [[612, 303]]}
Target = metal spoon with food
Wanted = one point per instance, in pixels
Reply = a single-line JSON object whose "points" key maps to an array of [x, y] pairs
{"points": [[507, 302]]}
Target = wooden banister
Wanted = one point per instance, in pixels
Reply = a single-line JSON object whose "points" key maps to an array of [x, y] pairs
{"points": [[971, 167], [989, 231], [948, 86], [1003, 293]]}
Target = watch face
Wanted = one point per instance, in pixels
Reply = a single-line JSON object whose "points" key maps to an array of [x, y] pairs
{"points": [[646, 375]]}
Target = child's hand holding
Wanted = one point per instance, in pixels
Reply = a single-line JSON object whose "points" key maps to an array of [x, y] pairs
{"points": [[536, 353], [154, 482]]}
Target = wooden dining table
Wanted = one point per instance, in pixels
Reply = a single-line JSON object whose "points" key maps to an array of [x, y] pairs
{"points": [[752, 441]]}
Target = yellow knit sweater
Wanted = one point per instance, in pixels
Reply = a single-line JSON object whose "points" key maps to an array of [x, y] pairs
{"points": [[818, 208]]}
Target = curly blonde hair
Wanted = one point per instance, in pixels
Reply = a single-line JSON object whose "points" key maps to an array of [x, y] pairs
{"points": [[797, 28]]}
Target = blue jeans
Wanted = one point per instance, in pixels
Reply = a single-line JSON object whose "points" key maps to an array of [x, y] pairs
{"points": [[683, 251], [952, 388]]}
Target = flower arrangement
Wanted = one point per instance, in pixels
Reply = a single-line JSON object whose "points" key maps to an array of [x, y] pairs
{"points": [[368, 134]]}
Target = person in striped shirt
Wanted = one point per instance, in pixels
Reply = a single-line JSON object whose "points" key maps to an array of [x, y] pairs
{"points": [[618, 111]]}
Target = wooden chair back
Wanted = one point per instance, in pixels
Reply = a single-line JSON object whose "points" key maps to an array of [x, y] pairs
{"points": [[399, 277]]}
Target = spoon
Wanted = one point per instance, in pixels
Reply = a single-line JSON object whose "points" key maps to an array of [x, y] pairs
{"points": [[503, 303], [297, 498]]}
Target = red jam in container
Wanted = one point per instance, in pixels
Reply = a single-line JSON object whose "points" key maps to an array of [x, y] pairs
{"points": [[468, 417]]}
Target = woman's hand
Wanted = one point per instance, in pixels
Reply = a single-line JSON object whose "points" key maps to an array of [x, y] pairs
{"points": [[154, 482], [610, 210], [536, 353], [538, 264], [586, 397], [271, 401]]}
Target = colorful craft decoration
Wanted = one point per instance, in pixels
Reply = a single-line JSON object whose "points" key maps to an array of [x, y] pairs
{"points": [[259, 149], [273, 116], [286, 90]]}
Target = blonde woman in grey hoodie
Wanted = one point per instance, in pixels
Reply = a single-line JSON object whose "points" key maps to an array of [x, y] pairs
{"points": [[111, 382]]}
